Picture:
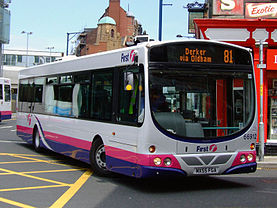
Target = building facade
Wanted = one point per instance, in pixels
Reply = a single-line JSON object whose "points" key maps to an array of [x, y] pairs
{"points": [[246, 23], [114, 29]]}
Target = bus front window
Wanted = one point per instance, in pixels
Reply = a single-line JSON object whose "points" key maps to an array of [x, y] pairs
{"points": [[203, 105]]}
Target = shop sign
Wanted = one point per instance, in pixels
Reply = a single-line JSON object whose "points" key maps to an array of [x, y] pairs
{"points": [[272, 59], [228, 7], [261, 10]]}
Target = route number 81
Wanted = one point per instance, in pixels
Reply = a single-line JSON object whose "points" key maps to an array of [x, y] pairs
{"points": [[228, 56]]}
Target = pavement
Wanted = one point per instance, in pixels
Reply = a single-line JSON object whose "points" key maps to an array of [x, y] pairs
{"points": [[268, 162]]}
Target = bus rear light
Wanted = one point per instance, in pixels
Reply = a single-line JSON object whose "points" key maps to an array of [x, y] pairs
{"points": [[152, 149], [243, 158], [157, 161], [167, 161], [252, 146]]}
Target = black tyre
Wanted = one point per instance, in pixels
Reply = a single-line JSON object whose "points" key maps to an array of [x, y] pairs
{"points": [[98, 158], [36, 141]]}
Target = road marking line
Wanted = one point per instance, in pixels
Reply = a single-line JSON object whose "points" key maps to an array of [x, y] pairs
{"points": [[267, 168], [72, 190], [14, 162], [12, 154], [15, 142], [34, 177], [53, 162], [6, 127], [33, 188], [30, 161], [14, 203], [46, 171]]}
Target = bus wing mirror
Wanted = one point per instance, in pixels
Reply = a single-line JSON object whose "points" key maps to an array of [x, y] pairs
{"points": [[128, 81]]}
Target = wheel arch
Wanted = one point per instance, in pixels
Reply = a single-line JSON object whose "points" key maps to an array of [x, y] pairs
{"points": [[97, 137], [34, 131]]}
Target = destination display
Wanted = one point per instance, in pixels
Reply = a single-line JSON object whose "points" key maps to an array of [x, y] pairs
{"points": [[200, 53]]}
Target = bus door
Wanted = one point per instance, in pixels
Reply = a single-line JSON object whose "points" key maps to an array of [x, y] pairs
{"points": [[129, 111]]}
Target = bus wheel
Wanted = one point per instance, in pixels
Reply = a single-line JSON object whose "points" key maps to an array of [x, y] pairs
{"points": [[36, 141], [98, 158]]}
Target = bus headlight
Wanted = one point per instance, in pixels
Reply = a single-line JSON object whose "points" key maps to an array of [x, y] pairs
{"points": [[167, 161], [242, 158], [250, 157], [157, 161]]}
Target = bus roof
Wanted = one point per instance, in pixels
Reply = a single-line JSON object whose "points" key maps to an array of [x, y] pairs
{"points": [[107, 59], [5, 80]]}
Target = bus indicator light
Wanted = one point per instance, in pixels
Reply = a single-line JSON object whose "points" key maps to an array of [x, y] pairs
{"points": [[152, 149]]}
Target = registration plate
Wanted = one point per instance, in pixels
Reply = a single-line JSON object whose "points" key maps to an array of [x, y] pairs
{"points": [[206, 170]]}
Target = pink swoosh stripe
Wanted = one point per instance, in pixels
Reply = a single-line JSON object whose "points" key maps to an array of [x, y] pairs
{"points": [[141, 159], [4, 113], [23, 129], [59, 138], [68, 140]]}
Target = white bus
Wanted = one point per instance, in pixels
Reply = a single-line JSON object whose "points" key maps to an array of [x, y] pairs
{"points": [[158, 108], [5, 99]]}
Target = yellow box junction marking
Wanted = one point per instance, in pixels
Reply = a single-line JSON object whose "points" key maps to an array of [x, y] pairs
{"points": [[14, 203], [73, 188]]}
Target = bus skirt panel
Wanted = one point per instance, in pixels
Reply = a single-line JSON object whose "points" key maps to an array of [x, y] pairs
{"points": [[25, 133], [140, 171], [5, 115], [58, 143], [141, 165], [118, 160], [245, 168]]}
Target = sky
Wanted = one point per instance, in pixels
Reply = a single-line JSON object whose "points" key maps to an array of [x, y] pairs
{"points": [[51, 20]]}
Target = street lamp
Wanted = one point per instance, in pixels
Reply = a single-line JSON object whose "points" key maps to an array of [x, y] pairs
{"points": [[261, 44], [161, 18], [50, 50], [27, 49]]}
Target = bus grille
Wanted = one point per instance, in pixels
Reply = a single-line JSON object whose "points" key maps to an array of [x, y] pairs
{"points": [[206, 160]]}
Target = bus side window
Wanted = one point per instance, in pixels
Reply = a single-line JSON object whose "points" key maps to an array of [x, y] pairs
{"points": [[1, 92], [102, 90], [7, 93], [81, 95]]}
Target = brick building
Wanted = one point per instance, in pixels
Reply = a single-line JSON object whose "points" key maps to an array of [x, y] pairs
{"points": [[115, 28]]}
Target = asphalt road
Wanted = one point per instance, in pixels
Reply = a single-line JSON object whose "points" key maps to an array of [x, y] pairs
{"points": [[29, 179]]}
